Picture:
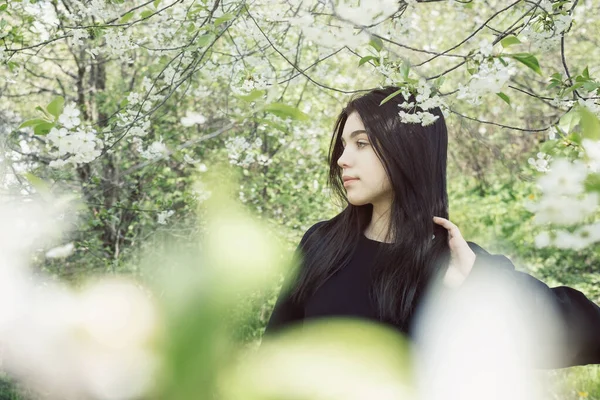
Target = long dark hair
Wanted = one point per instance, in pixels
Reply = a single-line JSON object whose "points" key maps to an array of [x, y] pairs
{"points": [[414, 157]]}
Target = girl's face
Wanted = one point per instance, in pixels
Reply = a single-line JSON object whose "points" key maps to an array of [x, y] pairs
{"points": [[360, 161]]}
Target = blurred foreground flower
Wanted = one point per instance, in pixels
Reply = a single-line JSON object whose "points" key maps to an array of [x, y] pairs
{"points": [[339, 358], [95, 343]]}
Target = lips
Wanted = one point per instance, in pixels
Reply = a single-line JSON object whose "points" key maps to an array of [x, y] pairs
{"points": [[348, 181], [348, 178]]}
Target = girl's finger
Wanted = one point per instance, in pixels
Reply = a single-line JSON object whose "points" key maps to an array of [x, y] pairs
{"points": [[452, 229]]}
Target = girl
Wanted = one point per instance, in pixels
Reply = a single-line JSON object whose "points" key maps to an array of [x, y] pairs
{"points": [[377, 257]]}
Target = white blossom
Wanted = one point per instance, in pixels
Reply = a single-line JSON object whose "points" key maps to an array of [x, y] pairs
{"points": [[70, 116], [564, 177], [541, 163], [163, 216], [188, 159], [156, 150], [133, 98], [61, 251], [77, 36], [592, 150], [562, 209], [193, 118], [82, 146], [490, 78], [485, 48], [367, 12]]}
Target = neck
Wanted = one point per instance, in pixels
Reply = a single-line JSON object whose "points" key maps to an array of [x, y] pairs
{"points": [[377, 228]]}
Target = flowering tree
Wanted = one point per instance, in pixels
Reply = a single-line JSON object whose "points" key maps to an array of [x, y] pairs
{"points": [[129, 103]]}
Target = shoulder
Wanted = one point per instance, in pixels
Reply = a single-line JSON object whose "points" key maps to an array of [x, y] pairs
{"points": [[311, 231], [482, 254]]}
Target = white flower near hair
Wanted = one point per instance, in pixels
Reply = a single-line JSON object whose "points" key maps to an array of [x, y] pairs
{"points": [[423, 100]]}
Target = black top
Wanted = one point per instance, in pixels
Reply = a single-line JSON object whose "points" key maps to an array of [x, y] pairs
{"points": [[346, 294]]}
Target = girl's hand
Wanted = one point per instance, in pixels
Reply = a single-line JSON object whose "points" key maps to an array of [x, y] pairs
{"points": [[462, 257]]}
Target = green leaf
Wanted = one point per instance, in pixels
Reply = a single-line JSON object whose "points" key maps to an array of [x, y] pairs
{"points": [[224, 18], [590, 86], [367, 59], [509, 41], [592, 182], [404, 70], [3, 7], [205, 39], [569, 121], [125, 18], [56, 106], [586, 73], [590, 126], [32, 122], [40, 185], [274, 124], [43, 128], [146, 14], [549, 146], [156, 3], [529, 60], [504, 97], [397, 92], [252, 96], [572, 88], [40, 109], [376, 43], [284, 110]]}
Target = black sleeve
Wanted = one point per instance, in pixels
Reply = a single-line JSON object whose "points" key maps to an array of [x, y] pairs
{"points": [[285, 311], [579, 316]]}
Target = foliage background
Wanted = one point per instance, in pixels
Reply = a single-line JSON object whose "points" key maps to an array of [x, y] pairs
{"points": [[243, 83]]}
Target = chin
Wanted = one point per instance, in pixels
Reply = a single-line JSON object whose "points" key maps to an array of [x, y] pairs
{"points": [[357, 202]]}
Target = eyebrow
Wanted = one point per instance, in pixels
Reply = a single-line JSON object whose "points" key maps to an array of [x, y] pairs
{"points": [[355, 133]]}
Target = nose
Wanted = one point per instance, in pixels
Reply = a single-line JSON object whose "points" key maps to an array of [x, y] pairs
{"points": [[342, 161]]}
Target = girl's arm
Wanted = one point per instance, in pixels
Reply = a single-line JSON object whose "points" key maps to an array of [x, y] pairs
{"points": [[579, 316], [285, 311]]}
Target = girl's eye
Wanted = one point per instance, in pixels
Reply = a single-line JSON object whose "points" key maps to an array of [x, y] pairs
{"points": [[358, 144]]}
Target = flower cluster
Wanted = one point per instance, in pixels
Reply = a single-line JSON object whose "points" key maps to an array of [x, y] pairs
{"points": [[541, 163], [238, 145], [545, 32], [76, 147], [367, 12], [162, 216], [155, 150], [423, 100], [565, 202], [490, 78], [95, 341]]}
